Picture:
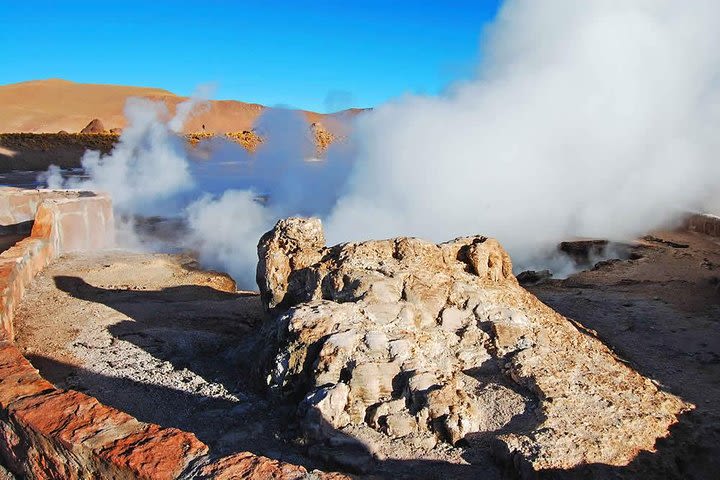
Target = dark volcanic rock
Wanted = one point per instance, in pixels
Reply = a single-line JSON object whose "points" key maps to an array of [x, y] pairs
{"points": [[533, 277], [582, 251]]}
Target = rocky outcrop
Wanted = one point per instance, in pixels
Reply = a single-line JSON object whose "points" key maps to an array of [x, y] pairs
{"points": [[284, 259], [95, 126], [430, 343], [703, 223], [322, 137]]}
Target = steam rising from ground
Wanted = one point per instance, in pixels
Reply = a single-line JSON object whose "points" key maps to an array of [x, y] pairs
{"points": [[147, 166], [222, 197], [596, 118]]}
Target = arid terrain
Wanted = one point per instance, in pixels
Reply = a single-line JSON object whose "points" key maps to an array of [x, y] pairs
{"points": [[380, 359], [42, 122], [49, 106], [660, 313], [156, 337], [328, 241]]}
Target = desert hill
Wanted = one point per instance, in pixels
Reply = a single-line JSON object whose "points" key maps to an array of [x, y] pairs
{"points": [[48, 106]]}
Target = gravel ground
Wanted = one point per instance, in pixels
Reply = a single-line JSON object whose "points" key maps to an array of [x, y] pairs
{"points": [[155, 337]]}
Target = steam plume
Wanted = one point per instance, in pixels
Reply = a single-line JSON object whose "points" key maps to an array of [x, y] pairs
{"points": [[597, 118], [147, 166]]}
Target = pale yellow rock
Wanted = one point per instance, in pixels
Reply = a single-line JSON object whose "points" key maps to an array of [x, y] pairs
{"points": [[440, 341]]}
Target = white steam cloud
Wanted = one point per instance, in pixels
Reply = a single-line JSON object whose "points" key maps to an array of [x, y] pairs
{"points": [[593, 118], [220, 197], [597, 118], [226, 230], [147, 166]]}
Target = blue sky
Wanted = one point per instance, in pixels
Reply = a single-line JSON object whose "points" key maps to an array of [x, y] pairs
{"points": [[320, 55]]}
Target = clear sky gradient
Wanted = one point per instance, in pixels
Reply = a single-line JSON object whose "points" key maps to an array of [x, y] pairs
{"points": [[320, 55]]}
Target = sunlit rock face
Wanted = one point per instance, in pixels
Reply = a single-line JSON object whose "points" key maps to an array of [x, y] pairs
{"points": [[438, 343]]}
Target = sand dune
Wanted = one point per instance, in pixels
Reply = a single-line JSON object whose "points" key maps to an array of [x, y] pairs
{"points": [[46, 106]]}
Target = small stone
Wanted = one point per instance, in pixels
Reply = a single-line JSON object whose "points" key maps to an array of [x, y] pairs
{"points": [[369, 383], [400, 424], [533, 277], [424, 442], [420, 382], [452, 319], [400, 349], [382, 313], [384, 409], [376, 341]]}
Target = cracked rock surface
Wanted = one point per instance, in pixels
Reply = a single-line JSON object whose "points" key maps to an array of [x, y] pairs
{"points": [[438, 344]]}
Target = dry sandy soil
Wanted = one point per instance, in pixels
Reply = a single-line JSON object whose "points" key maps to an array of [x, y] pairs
{"points": [[154, 336], [48, 106]]}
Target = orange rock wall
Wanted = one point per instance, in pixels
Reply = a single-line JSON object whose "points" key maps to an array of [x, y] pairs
{"points": [[19, 205], [63, 222], [75, 224], [50, 433]]}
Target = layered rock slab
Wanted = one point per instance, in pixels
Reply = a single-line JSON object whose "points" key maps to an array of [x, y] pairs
{"points": [[429, 343]]}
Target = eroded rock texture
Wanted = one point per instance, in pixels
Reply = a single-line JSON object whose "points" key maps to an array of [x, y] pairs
{"points": [[431, 343]]}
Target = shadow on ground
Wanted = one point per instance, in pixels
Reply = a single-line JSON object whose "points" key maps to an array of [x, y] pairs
{"points": [[263, 426]]}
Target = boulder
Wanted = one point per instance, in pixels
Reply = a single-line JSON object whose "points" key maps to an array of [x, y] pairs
{"points": [[284, 258], [95, 126], [411, 338], [582, 251], [533, 277]]}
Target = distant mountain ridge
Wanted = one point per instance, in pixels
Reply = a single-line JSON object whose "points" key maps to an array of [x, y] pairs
{"points": [[48, 106]]}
